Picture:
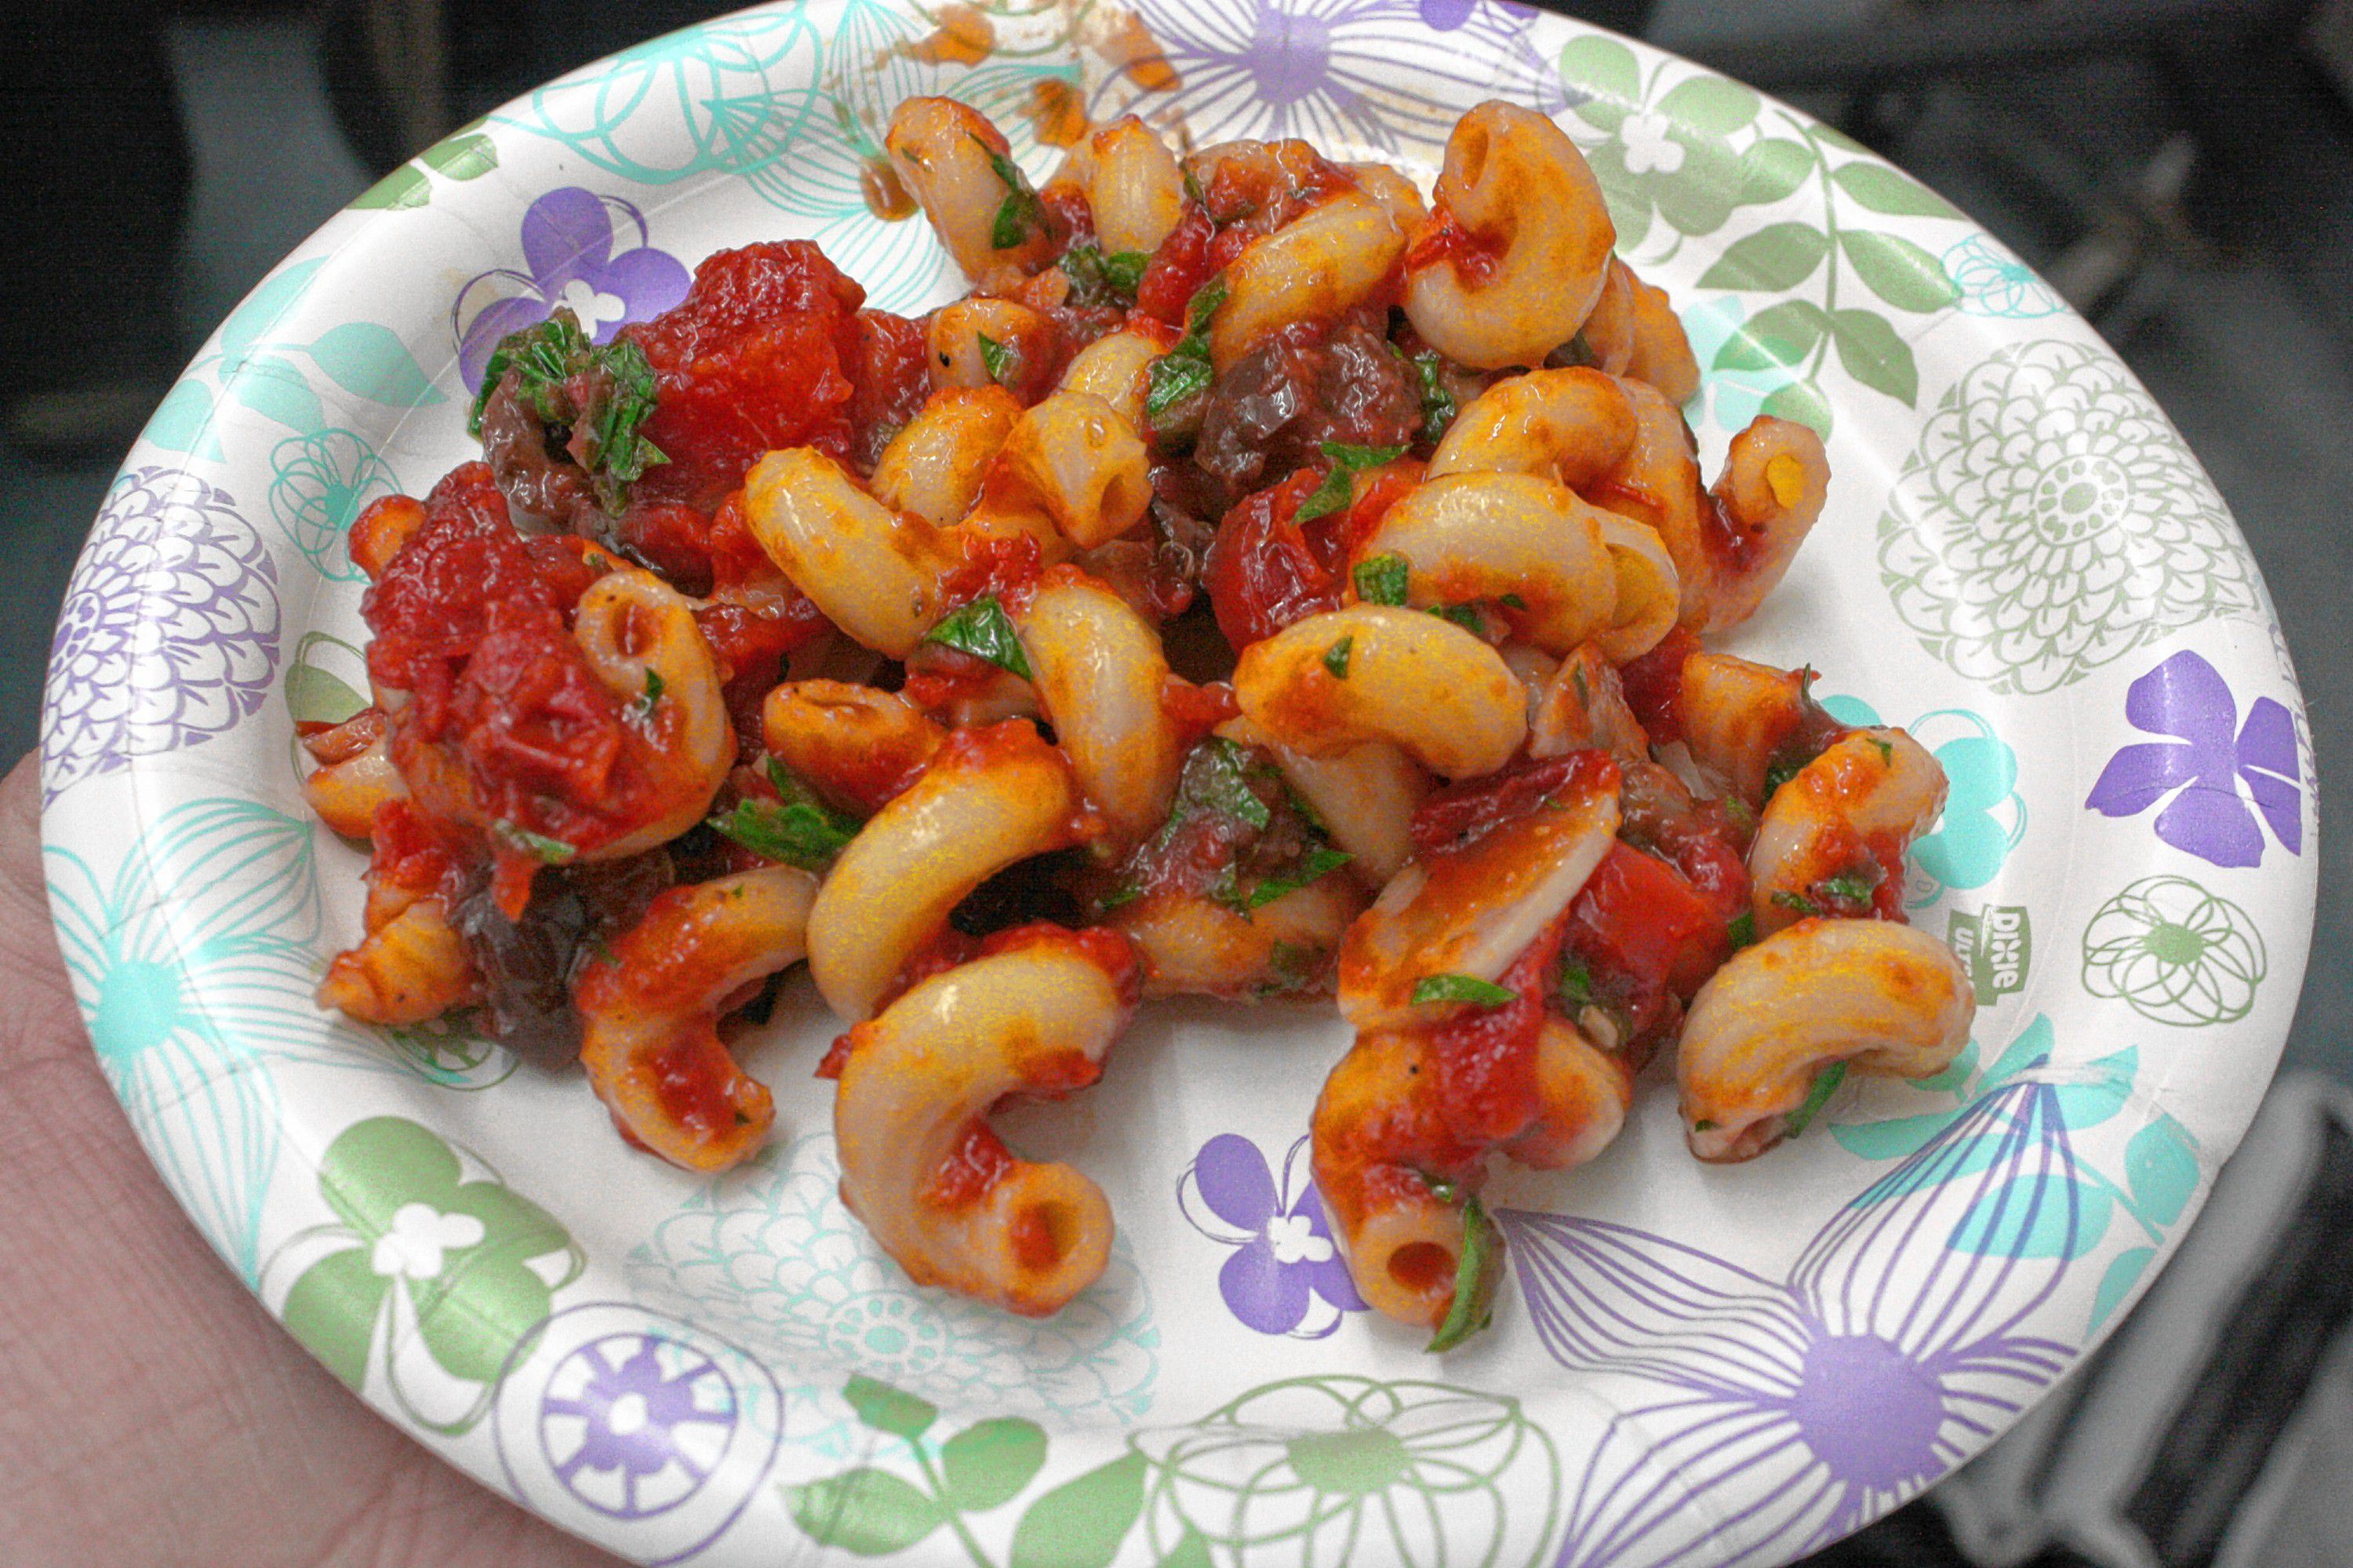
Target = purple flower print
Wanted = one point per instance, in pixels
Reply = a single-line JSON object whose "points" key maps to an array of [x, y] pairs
{"points": [[633, 1424], [585, 251], [1759, 1419], [1286, 1276], [2185, 698]]}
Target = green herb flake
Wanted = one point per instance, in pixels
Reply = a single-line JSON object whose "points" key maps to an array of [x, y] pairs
{"points": [[539, 846], [1335, 658], [983, 630], [1576, 351], [797, 828], [1223, 786], [543, 357], [1513, 601], [1476, 1274], [1320, 862], [1021, 214], [1781, 773], [1797, 902], [1462, 988], [1815, 1099], [1097, 278], [1886, 751], [1463, 616], [1347, 461], [1576, 678], [1185, 371], [1854, 887], [1438, 406], [644, 706], [1125, 894], [617, 455], [1382, 579], [1444, 1190], [995, 357], [603, 396], [1575, 987], [1703, 1125], [1742, 930]]}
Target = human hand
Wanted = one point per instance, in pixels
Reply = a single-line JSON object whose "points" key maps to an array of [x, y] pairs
{"points": [[154, 1413]]}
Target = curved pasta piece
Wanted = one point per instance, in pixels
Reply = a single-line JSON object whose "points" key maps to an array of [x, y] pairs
{"points": [[878, 575], [921, 1166], [378, 532], [856, 745], [1884, 998], [1854, 809], [1608, 333], [1098, 671], [1737, 716], [1662, 350], [1084, 464], [1402, 1239], [1366, 795], [649, 1013], [1475, 537], [1316, 268], [1657, 483], [1117, 369], [1398, 195], [1021, 339], [1582, 707], [639, 637], [1519, 190], [935, 467], [945, 153], [1475, 909], [1769, 496], [1568, 426], [1418, 683], [1194, 946], [412, 967], [990, 797], [355, 773], [1650, 589], [1134, 187]]}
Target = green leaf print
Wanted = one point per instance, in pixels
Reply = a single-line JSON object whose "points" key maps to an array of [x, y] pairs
{"points": [[462, 157], [1604, 68], [1898, 271], [887, 1409], [181, 417], [1871, 352], [870, 1512], [1776, 257], [2161, 1170], [332, 1311], [405, 187], [1714, 104], [1773, 169], [1882, 189], [266, 306], [1081, 1523], [987, 1465], [1803, 402], [1778, 334], [273, 388], [2124, 1272], [371, 362]]}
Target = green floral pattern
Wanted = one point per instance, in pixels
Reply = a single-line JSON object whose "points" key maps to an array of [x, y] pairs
{"points": [[2050, 522], [420, 1256], [1685, 150], [2175, 953]]}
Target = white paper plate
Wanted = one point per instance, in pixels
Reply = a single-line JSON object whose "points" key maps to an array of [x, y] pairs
{"points": [[2020, 562]]}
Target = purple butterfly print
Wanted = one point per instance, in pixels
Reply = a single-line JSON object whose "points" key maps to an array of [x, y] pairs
{"points": [[2185, 698], [1286, 1276]]}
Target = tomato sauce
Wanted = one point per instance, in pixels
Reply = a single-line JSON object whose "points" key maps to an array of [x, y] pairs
{"points": [[1443, 241], [1654, 685], [1461, 812], [1265, 570], [693, 1075], [1486, 1079], [1177, 270]]}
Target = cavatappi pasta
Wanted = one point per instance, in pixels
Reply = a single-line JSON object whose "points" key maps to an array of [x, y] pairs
{"points": [[1269, 581]]}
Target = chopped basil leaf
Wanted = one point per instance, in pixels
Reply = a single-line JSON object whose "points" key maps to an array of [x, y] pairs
{"points": [[556, 365], [1476, 1274], [1321, 862], [1347, 460], [1742, 930], [1382, 579], [1815, 1099], [995, 357], [1462, 988], [1576, 677], [619, 456], [1886, 751], [1807, 676], [1335, 658], [1193, 186], [1223, 785], [1184, 370], [543, 357], [539, 846], [1854, 887], [1798, 901], [1097, 278], [1463, 616], [1513, 601], [797, 828], [1443, 1189], [1781, 773], [1575, 986], [983, 630], [1575, 352], [644, 706], [1126, 892], [1021, 214], [1438, 407], [1703, 1125]]}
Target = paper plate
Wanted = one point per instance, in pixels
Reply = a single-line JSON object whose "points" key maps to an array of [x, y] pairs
{"points": [[2020, 563]]}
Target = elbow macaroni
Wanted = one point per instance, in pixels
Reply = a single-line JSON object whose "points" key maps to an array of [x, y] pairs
{"points": [[1421, 683]]}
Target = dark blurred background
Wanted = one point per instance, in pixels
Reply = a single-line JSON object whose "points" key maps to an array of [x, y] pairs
{"points": [[2181, 170]]}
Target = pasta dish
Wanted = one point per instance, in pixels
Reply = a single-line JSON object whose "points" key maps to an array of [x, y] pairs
{"points": [[1267, 583]]}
